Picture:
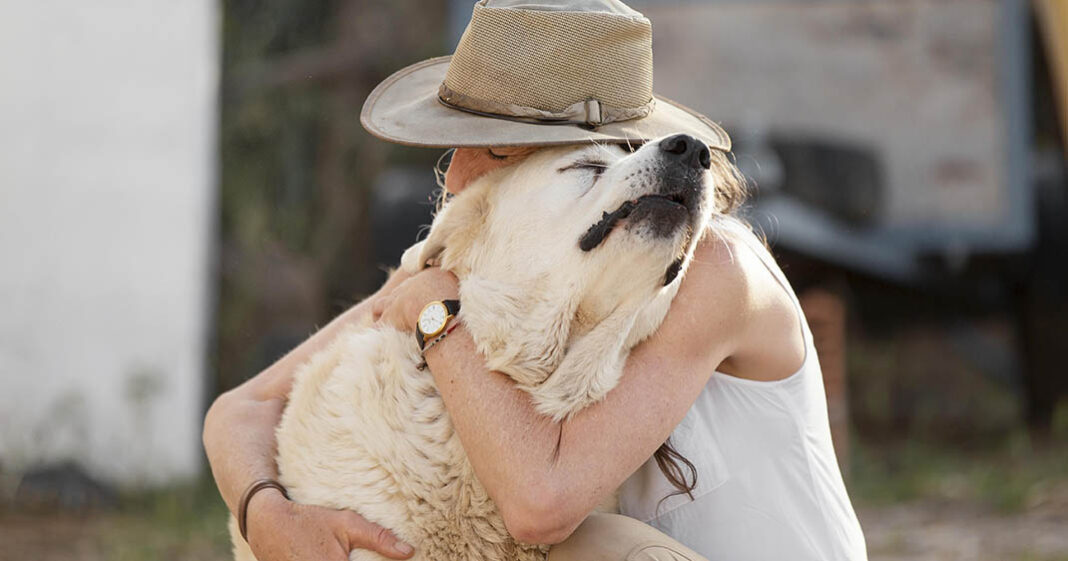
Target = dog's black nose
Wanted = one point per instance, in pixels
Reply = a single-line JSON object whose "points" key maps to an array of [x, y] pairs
{"points": [[687, 150]]}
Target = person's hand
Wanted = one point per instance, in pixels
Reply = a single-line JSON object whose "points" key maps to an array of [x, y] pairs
{"points": [[401, 307], [282, 530]]}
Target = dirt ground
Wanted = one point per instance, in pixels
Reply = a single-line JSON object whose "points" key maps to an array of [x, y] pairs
{"points": [[103, 537], [945, 532], [921, 531]]}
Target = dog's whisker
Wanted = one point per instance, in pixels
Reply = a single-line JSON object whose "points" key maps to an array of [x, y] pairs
{"points": [[722, 238], [604, 150], [439, 170], [422, 230]]}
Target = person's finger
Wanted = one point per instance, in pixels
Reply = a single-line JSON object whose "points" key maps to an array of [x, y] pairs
{"points": [[367, 535]]}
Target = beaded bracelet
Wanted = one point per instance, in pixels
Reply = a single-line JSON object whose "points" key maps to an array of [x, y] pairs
{"points": [[432, 342]]}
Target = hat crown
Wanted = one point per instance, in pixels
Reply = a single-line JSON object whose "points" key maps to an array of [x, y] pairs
{"points": [[575, 61]]}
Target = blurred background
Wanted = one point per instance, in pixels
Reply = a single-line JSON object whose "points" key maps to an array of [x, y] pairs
{"points": [[186, 194]]}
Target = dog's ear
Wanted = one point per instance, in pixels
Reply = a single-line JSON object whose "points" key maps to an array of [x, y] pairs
{"points": [[592, 366], [455, 227]]}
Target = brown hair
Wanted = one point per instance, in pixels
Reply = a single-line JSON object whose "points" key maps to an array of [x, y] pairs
{"points": [[667, 459], [731, 186]]}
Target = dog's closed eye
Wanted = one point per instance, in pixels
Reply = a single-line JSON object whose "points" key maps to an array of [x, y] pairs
{"points": [[597, 167]]}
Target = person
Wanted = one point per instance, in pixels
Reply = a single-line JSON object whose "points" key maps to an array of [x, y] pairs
{"points": [[731, 376]]}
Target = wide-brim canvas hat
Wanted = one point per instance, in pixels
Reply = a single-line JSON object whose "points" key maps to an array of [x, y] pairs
{"points": [[536, 73]]}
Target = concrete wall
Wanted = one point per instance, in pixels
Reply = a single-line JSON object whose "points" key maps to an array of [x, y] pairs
{"points": [[107, 158]]}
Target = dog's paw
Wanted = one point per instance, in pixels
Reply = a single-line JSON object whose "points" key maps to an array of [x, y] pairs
{"points": [[412, 260], [560, 402]]}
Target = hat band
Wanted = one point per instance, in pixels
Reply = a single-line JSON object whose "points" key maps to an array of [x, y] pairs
{"points": [[591, 112]]}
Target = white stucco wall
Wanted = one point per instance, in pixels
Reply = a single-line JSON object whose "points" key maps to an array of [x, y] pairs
{"points": [[107, 158]]}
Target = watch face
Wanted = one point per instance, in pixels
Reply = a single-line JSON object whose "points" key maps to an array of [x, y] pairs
{"points": [[432, 320]]}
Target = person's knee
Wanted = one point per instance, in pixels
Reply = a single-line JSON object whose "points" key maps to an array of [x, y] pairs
{"points": [[612, 537]]}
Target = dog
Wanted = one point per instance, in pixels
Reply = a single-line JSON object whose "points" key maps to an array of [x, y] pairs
{"points": [[566, 261]]}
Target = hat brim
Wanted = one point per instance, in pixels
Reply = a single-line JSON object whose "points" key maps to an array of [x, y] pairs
{"points": [[405, 109]]}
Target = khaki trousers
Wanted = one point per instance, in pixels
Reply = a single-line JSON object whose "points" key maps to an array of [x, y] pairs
{"points": [[613, 537]]}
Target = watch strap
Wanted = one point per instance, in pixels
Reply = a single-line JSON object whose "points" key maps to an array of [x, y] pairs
{"points": [[420, 338]]}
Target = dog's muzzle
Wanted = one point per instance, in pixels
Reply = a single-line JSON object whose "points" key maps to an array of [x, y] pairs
{"points": [[676, 200]]}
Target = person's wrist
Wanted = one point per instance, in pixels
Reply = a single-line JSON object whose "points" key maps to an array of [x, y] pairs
{"points": [[264, 509], [444, 286], [435, 349]]}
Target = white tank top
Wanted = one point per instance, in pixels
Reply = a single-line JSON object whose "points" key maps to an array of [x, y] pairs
{"points": [[768, 483]]}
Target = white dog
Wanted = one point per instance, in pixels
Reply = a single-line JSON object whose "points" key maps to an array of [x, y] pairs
{"points": [[566, 261]]}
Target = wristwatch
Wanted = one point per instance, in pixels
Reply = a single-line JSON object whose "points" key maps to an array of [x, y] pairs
{"points": [[433, 320]]}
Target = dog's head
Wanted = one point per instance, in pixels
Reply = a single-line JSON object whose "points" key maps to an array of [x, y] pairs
{"points": [[576, 250]]}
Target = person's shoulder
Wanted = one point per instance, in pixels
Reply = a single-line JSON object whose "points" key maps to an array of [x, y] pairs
{"points": [[718, 285], [730, 279], [710, 314], [725, 268], [737, 275]]}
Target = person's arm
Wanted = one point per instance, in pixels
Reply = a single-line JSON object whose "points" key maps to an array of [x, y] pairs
{"points": [[546, 477], [239, 439]]}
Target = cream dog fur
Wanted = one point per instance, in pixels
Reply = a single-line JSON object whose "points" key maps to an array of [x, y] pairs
{"points": [[366, 430]]}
